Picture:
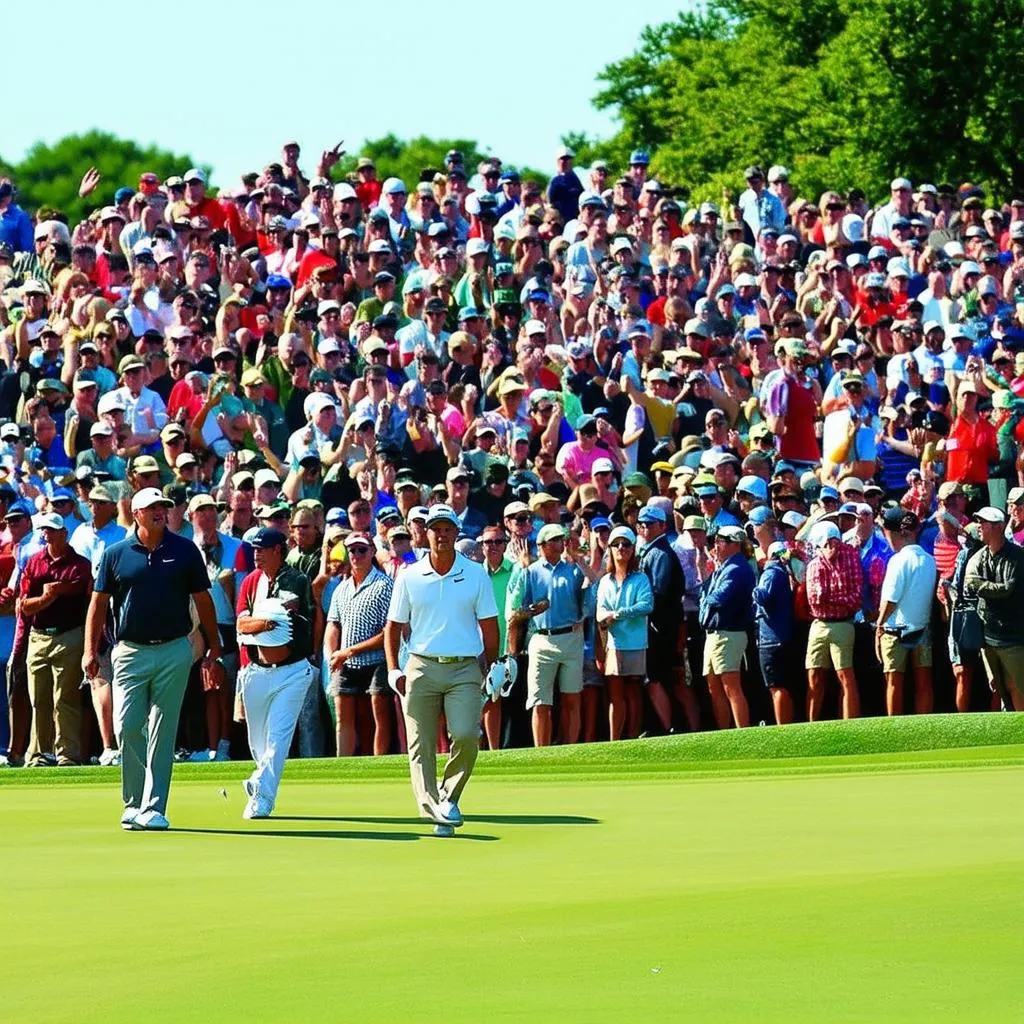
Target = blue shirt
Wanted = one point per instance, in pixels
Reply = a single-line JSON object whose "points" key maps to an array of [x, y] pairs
{"points": [[16, 228], [150, 590], [560, 584], [725, 603], [773, 606]]}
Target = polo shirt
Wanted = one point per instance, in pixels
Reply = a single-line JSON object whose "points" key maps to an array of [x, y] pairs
{"points": [[910, 584], [151, 591], [560, 584], [443, 612], [500, 579], [68, 610], [360, 611], [90, 543]]}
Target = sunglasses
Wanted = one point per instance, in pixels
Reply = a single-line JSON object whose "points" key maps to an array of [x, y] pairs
{"points": [[622, 544], [358, 549], [494, 543], [521, 518]]}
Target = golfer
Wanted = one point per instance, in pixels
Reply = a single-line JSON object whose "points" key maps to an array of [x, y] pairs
{"points": [[275, 627], [448, 603], [151, 577]]}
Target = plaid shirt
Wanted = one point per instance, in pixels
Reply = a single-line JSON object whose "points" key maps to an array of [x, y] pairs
{"points": [[835, 585]]}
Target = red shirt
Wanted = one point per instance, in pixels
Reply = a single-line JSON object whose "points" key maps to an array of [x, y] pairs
{"points": [[369, 193], [945, 553], [68, 610], [970, 447], [656, 311], [835, 585]]}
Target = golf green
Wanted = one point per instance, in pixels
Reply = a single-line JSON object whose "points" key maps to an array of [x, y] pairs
{"points": [[880, 886]]}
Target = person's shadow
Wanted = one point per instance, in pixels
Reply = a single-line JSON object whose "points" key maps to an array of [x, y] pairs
{"points": [[390, 837], [483, 819]]}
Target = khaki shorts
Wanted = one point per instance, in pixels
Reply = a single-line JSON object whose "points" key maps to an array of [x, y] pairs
{"points": [[723, 652], [895, 656], [830, 645], [1005, 668], [554, 658]]}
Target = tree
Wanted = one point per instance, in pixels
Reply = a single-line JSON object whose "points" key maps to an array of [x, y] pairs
{"points": [[843, 92], [50, 175]]}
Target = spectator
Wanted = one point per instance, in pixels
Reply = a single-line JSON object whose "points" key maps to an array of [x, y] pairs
{"points": [[624, 601], [834, 594], [773, 613]]}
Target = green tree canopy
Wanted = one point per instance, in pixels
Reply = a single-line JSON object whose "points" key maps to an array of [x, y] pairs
{"points": [[50, 175], [843, 92]]}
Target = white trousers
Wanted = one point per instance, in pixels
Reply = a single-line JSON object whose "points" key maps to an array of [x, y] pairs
{"points": [[273, 699]]}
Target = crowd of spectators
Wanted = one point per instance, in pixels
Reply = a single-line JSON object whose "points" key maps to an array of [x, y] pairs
{"points": [[723, 464]]}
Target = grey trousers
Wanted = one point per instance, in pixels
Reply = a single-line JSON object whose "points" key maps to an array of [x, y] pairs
{"points": [[149, 686]]}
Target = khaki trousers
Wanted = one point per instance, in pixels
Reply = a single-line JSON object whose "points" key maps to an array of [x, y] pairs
{"points": [[431, 688], [54, 665]]}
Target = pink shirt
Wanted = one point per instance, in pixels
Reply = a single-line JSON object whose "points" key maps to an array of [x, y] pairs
{"points": [[575, 462], [454, 421]]}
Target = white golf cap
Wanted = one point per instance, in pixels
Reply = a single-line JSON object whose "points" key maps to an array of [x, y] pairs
{"points": [[602, 466], [988, 514], [148, 497], [441, 514], [266, 476], [49, 521], [822, 533]]}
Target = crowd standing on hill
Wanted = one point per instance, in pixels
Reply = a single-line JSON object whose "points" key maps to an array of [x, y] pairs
{"points": [[721, 465]]}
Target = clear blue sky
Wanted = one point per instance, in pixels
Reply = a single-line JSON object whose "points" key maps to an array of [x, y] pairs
{"points": [[514, 76]]}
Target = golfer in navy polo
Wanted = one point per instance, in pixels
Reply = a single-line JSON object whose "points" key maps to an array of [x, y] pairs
{"points": [[150, 578]]}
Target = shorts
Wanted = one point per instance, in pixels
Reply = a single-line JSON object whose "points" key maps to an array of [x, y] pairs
{"points": [[895, 656], [1005, 668], [830, 645], [105, 674], [776, 667], [625, 663], [359, 681], [554, 658], [723, 652], [591, 677]]}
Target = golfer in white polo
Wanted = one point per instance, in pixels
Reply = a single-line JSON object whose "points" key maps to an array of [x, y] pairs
{"points": [[448, 603]]}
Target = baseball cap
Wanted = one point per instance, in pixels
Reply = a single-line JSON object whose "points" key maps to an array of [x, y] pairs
{"points": [[732, 534], [199, 501], [652, 514], [441, 514], [822, 533], [267, 537], [760, 515], [602, 466], [988, 514], [148, 497], [551, 531], [753, 485], [50, 521]]}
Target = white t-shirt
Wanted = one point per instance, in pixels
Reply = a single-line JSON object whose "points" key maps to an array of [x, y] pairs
{"points": [[443, 612], [910, 583]]}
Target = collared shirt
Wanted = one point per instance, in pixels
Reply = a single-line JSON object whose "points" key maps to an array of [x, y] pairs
{"points": [[90, 543], [361, 611], [834, 585], [68, 610], [443, 612], [151, 591], [500, 579], [726, 600], [135, 411], [560, 584], [910, 584]]}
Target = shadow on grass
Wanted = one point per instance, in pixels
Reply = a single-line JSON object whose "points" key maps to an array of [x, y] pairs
{"points": [[400, 837], [483, 819]]}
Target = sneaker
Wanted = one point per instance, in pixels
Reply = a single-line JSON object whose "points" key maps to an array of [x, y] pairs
{"points": [[110, 758], [201, 756], [6, 761], [152, 821], [444, 831], [128, 819], [256, 805], [449, 813], [223, 751], [182, 754]]}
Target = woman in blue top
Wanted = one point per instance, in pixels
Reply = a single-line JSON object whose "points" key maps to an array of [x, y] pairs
{"points": [[624, 600]]}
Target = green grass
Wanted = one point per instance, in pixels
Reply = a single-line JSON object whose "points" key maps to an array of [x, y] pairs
{"points": [[840, 872]]}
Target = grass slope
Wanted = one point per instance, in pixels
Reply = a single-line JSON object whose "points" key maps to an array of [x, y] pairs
{"points": [[863, 745]]}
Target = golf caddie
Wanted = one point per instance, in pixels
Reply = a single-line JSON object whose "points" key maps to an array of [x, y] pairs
{"points": [[150, 579], [448, 604]]}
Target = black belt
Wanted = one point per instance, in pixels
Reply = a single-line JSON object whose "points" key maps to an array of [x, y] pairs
{"points": [[53, 630], [556, 632], [847, 619]]}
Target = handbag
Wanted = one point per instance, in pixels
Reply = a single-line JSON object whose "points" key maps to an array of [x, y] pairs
{"points": [[966, 629]]}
